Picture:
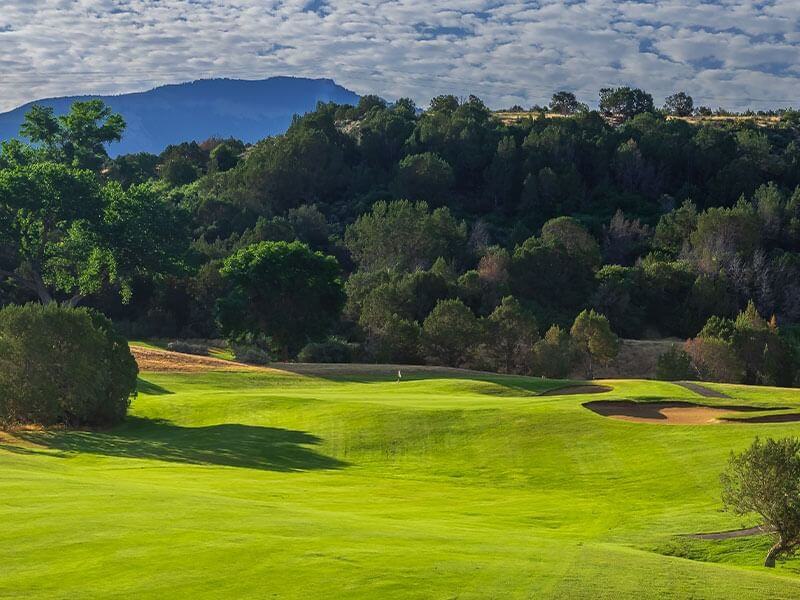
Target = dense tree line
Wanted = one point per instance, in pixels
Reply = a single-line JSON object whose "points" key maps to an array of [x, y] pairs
{"points": [[429, 228]]}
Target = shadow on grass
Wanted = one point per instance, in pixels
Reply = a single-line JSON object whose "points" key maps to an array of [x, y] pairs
{"points": [[146, 387], [231, 445]]}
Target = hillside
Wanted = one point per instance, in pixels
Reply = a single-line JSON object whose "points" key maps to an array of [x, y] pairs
{"points": [[450, 484], [247, 110]]}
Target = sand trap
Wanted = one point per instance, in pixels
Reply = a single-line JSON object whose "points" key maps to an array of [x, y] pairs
{"points": [[573, 390], [673, 413], [164, 361]]}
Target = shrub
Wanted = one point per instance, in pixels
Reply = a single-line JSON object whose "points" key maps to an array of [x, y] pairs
{"points": [[715, 360], [63, 366], [334, 350], [250, 354], [188, 348], [674, 365]]}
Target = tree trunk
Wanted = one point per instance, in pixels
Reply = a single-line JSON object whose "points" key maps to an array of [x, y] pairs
{"points": [[773, 553]]}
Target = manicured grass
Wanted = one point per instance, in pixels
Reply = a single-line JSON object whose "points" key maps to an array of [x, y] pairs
{"points": [[254, 485]]}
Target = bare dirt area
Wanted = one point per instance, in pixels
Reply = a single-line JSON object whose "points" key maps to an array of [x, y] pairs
{"points": [[164, 361], [671, 413], [575, 390]]}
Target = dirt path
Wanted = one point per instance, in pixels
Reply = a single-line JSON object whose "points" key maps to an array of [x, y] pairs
{"points": [[701, 390], [726, 535]]}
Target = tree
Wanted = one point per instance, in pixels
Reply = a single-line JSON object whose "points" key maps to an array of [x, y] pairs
{"points": [[594, 339], [225, 156], [679, 104], [553, 355], [450, 333], [765, 479], [674, 228], [510, 334], [624, 103], [715, 360], [282, 290], [62, 366], [424, 177], [404, 235], [565, 103], [625, 240], [78, 138], [63, 237]]}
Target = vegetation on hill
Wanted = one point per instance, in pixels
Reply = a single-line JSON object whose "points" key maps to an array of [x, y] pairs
{"points": [[657, 224]]}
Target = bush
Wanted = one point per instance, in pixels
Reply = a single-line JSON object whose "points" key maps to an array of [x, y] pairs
{"points": [[674, 365], [188, 348], [63, 366], [334, 350], [250, 354], [715, 360]]}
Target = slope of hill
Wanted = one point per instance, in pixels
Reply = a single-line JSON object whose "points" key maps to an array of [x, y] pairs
{"points": [[247, 110]]}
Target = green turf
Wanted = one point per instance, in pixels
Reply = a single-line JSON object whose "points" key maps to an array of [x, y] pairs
{"points": [[258, 485]]}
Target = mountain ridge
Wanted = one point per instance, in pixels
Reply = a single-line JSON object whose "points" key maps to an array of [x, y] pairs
{"points": [[245, 109]]}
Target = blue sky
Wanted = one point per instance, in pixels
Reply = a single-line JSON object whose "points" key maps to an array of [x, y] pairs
{"points": [[731, 53]]}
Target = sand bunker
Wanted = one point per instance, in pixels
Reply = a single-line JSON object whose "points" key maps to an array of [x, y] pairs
{"points": [[164, 361], [573, 390], [679, 413]]}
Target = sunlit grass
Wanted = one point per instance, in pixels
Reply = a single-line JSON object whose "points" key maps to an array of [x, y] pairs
{"points": [[442, 486]]}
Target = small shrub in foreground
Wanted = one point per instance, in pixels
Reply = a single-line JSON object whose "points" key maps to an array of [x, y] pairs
{"points": [[63, 366]]}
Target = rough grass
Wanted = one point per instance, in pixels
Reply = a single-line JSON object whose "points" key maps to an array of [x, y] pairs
{"points": [[348, 484]]}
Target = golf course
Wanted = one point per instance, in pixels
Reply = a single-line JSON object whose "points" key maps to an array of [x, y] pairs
{"points": [[318, 481]]}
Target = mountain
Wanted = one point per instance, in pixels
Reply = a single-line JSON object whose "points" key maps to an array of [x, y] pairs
{"points": [[247, 110]]}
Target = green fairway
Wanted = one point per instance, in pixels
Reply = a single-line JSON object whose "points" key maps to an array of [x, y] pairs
{"points": [[267, 484]]}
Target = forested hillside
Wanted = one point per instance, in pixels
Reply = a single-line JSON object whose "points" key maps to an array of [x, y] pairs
{"points": [[448, 223]]}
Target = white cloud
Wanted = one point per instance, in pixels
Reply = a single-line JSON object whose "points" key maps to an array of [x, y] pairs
{"points": [[735, 53]]}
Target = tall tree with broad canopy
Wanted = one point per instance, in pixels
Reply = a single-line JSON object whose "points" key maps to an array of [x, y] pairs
{"points": [[63, 236], [511, 333], [282, 290], [765, 480], [593, 338], [624, 102], [679, 104], [450, 333], [565, 103], [78, 138]]}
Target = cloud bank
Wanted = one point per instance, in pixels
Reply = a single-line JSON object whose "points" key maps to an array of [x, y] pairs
{"points": [[731, 53]]}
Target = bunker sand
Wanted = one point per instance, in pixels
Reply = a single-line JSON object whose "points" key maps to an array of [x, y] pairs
{"points": [[677, 413]]}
